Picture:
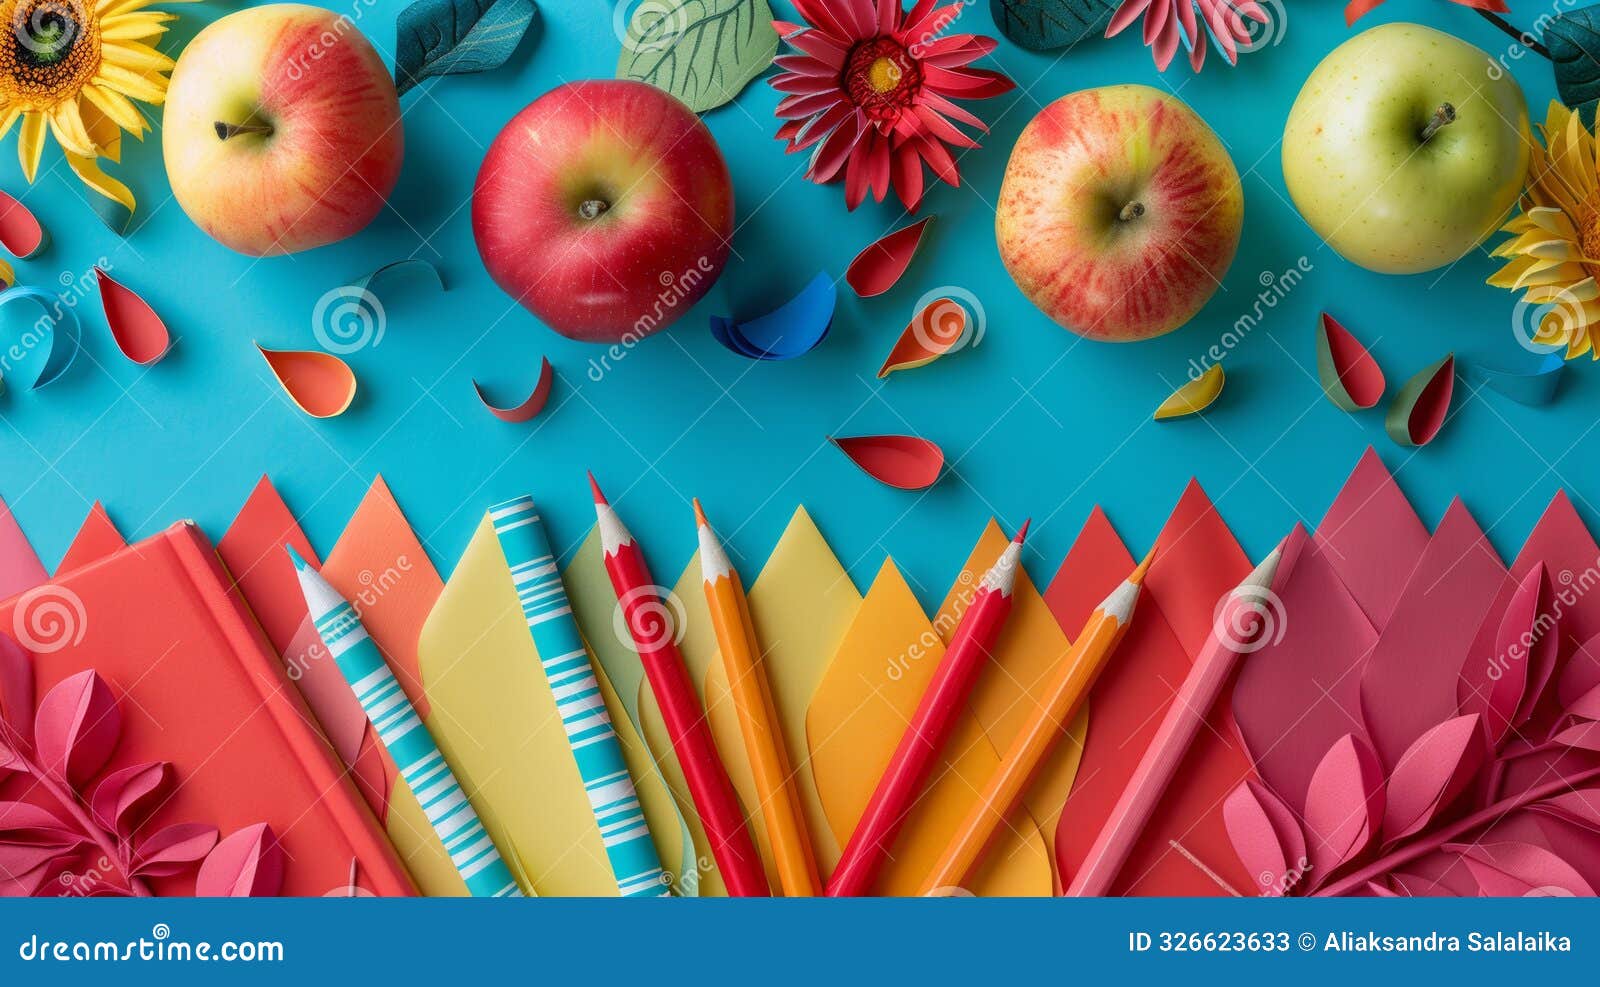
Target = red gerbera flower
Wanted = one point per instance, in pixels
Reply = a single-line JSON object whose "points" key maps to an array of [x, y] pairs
{"points": [[871, 90]]}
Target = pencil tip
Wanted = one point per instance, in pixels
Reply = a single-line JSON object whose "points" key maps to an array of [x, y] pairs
{"points": [[299, 563], [699, 514], [1022, 532], [599, 498], [1137, 578]]}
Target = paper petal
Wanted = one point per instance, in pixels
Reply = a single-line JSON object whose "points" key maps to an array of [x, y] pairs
{"points": [[1581, 808], [20, 231], [60, 321], [1505, 689], [1350, 376], [1343, 805], [19, 817], [76, 727], [935, 331], [1193, 397], [1533, 386], [140, 334], [121, 793], [903, 461], [876, 269], [1255, 839], [1419, 410], [1514, 869], [529, 409], [173, 850], [1429, 775], [320, 384], [248, 864], [791, 330]]}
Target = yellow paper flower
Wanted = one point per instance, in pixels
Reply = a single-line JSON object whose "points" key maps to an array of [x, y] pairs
{"points": [[73, 69], [1555, 247]]}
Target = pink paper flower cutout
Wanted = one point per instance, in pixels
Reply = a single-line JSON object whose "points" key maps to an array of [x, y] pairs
{"points": [[1169, 23]]}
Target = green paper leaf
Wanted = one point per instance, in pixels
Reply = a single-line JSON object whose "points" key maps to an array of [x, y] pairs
{"points": [[1423, 404], [1573, 39], [1047, 25], [702, 51], [458, 37]]}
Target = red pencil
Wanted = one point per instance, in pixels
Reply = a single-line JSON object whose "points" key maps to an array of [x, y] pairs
{"points": [[930, 727], [685, 719]]}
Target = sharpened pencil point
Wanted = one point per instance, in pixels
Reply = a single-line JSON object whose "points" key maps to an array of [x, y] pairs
{"points": [[599, 498], [1022, 532], [1137, 578], [700, 515], [299, 563]]}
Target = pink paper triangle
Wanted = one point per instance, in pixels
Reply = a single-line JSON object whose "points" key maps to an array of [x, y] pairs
{"points": [[1373, 538], [20, 568]]}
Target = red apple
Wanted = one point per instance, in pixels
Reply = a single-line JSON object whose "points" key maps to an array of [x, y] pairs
{"points": [[1120, 212], [282, 130], [605, 208]]}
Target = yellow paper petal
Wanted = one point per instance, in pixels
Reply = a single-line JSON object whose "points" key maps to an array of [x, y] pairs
{"points": [[115, 106], [30, 143], [135, 26], [135, 56], [130, 83], [9, 118], [1194, 396], [69, 131]]}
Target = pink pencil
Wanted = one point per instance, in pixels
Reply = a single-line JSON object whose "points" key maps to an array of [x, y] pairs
{"points": [[1185, 716]]}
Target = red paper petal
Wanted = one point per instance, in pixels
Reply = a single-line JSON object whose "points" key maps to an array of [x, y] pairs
{"points": [[248, 864], [173, 850], [1350, 376], [902, 461], [138, 330], [528, 409], [876, 269], [936, 330], [122, 791], [1430, 774], [1420, 408], [20, 231], [320, 384], [1343, 805], [77, 727]]}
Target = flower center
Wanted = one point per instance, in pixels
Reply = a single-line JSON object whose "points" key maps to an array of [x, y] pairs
{"points": [[53, 51], [881, 77]]}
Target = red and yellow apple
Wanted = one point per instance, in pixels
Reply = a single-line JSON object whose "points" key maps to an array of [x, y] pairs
{"points": [[282, 130], [1120, 212], [605, 208]]}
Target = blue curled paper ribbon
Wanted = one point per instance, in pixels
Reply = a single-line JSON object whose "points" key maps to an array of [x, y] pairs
{"points": [[61, 333]]}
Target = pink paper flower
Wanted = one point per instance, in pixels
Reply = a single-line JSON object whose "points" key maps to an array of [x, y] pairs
{"points": [[871, 90], [1168, 23]]}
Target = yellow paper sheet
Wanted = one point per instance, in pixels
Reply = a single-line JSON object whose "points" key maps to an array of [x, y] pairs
{"points": [[495, 720], [1031, 645], [419, 847], [801, 605], [865, 701]]}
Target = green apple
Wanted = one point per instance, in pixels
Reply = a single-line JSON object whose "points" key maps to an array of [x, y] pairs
{"points": [[1406, 148]]}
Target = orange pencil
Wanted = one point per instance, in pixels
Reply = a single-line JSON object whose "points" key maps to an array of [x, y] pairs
{"points": [[1063, 697], [758, 719]]}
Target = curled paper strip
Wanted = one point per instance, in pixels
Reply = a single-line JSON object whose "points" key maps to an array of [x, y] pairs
{"points": [[1419, 410], [138, 330], [1350, 376], [877, 268], [528, 409], [903, 461], [1534, 386], [792, 330], [57, 330], [937, 329], [394, 269], [320, 384], [1193, 397], [20, 232]]}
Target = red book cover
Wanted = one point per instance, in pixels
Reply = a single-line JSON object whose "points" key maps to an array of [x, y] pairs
{"points": [[197, 685]]}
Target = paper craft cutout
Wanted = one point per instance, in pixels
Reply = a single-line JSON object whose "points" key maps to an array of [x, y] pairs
{"points": [[903, 461], [1350, 377], [367, 284], [20, 568], [877, 268], [20, 231], [319, 384], [937, 329], [794, 329], [1534, 386], [59, 323], [248, 864], [446, 37], [1421, 407], [252, 549], [855, 721], [530, 408], [702, 51], [1372, 538], [1194, 396], [96, 539], [138, 330]]}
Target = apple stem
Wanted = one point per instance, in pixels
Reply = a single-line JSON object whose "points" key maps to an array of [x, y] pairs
{"points": [[1442, 117], [1131, 212], [227, 130], [593, 208]]}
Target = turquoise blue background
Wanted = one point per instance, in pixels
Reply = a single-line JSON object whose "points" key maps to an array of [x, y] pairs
{"points": [[1033, 424]]}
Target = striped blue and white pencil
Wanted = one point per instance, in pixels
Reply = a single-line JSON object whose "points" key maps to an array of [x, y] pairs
{"points": [[406, 737], [579, 702]]}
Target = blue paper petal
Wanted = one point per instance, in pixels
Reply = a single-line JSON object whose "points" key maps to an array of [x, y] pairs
{"points": [[1533, 386], [58, 330], [792, 330]]}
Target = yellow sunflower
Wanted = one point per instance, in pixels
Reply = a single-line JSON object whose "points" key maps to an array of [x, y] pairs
{"points": [[1555, 250], [73, 68]]}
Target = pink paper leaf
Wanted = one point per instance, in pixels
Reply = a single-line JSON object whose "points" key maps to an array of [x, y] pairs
{"points": [[1344, 805], [1513, 869], [1586, 706], [27, 883], [1430, 774], [1254, 830], [248, 864], [1584, 735], [16, 690], [1581, 808], [20, 861], [77, 727], [125, 790], [876, 269], [1525, 645], [25, 817], [138, 331], [173, 850]]}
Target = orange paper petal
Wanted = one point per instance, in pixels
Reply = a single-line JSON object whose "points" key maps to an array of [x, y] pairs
{"points": [[320, 384], [935, 331], [876, 269], [529, 409], [20, 231], [140, 334], [903, 461]]}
